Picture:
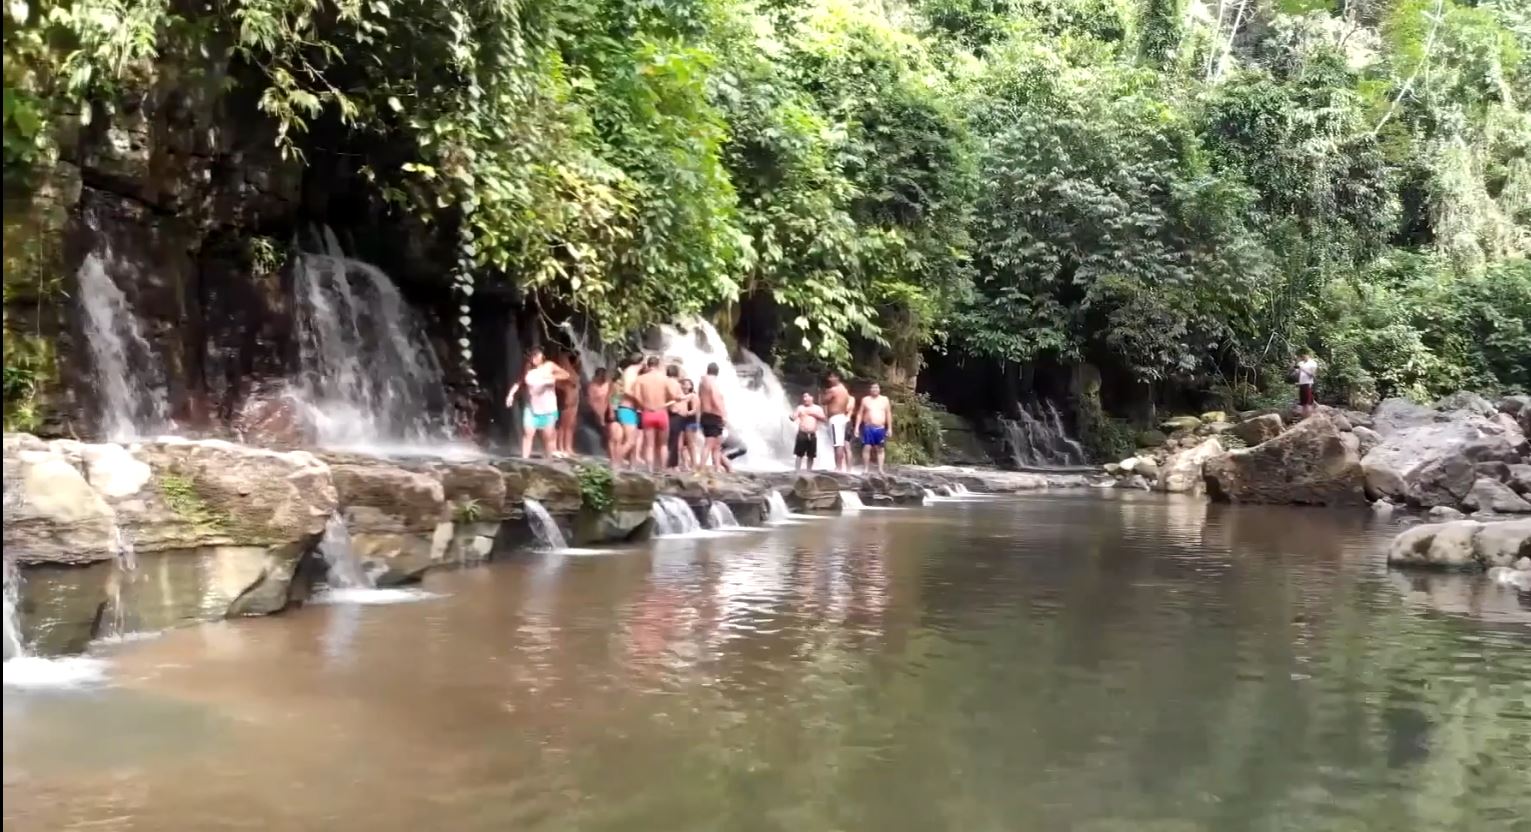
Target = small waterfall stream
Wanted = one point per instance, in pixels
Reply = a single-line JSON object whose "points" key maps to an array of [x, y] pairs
{"points": [[544, 527], [14, 647], [720, 516], [130, 402], [776, 507], [757, 403], [344, 569], [1039, 439], [673, 516], [369, 375], [850, 502]]}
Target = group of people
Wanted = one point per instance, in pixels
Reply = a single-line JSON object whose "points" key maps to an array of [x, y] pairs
{"points": [[654, 417], [841, 414]]}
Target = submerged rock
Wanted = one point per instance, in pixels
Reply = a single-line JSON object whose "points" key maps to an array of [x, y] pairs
{"points": [[1310, 464], [1462, 544]]}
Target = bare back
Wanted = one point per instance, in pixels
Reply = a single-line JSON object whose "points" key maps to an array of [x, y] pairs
{"points": [[710, 397], [651, 390]]}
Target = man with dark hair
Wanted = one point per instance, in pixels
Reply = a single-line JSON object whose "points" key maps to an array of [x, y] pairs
{"points": [[714, 415], [1305, 374], [655, 392], [876, 419], [838, 405], [598, 397], [626, 413], [807, 417], [682, 411]]}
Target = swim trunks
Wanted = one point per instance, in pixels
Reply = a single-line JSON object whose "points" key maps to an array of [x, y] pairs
{"points": [[712, 425], [1305, 394], [874, 435], [654, 420], [838, 424], [538, 421], [807, 445], [627, 416]]}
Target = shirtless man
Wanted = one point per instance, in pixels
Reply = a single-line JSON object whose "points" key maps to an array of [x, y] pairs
{"points": [[541, 413], [876, 420], [655, 392], [568, 402], [598, 399], [714, 415], [629, 451], [807, 416], [837, 404]]}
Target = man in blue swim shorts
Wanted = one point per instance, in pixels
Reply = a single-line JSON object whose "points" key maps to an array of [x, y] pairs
{"points": [[875, 416]]}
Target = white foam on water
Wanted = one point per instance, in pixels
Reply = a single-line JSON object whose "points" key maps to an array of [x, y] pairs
{"points": [[720, 516], [37, 672], [673, 517], [370, 596], [777, 510], [850, 502]]}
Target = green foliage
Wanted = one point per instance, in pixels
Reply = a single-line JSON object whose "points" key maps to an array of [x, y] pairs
{"points": [[1104, 438], [596, 487], [29, 367], [917, 433], [467, 511]]}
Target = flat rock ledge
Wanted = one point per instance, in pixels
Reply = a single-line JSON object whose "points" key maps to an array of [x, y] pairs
{"points": [[114, 538]]}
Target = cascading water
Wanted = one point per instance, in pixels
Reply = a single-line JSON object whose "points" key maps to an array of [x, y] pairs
{"points": [[369, 375], [776, 508], [850, 502], [1038, 438], [127, 567], [930, 496], [959, 490], [720, 516], [590, 358], [13, 644], [544, 527], [758, 410], [131, 404], [673, 516], [343, 569]]}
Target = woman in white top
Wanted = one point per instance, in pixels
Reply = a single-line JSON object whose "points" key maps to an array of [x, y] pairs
{"points": [[541, 413]]}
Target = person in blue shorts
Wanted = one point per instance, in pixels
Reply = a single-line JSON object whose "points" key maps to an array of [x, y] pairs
{"points": [[540, 417], [875, 417]]}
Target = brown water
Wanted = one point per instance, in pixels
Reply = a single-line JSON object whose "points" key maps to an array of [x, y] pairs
{"points": [[1090, 662]]}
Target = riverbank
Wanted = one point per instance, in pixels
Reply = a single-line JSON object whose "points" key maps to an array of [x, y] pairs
{"points": [[112, 539]]}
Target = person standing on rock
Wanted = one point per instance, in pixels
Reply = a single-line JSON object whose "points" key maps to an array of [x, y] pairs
{"points": [[541, 413], [598, 397], [655, 392], [838, 405], [713, 417], [682, 414], [875, 417], [568, 401], [1305, 374], [627, 414], [807, 416]]}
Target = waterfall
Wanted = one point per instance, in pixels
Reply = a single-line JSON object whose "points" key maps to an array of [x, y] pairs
{"points": [[590, 358], [758, 409], [850, 502], [672, 516], [130, 403], [1038, 438], [776, 507], [344, 569], [930, 496], [127, 564], [720, 516], [544, 527], [14, 647], [959, 490], [369, 375]]}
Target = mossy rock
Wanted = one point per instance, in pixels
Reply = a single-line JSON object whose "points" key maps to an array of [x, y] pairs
{"points": [[1151, 438]]}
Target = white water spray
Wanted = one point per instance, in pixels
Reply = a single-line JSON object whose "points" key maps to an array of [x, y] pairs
{"points": [[22, 670], [673, 516], [369, 375], [720, 516], [930, 496], [959, 490], [131, 405], [776, 507], [544, 527], [1038, 438], [12, 635], [850, 502], [344, 569]]}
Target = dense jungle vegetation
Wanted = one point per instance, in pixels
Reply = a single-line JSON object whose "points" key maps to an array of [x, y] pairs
{"points": [[1169, 188]]}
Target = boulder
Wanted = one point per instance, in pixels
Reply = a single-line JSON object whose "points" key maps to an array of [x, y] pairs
{"points": [[475, 490], [1179, 423], [1441, 514], [1129, 465], [114, 472], [1151, 438], [1519, 478], [1219, 428], [1135, 482], [1462, 544], [52, 515], [1383, 508], [1148, 467], [398, 519], [1183, 471], [1494, 496], [1358, 419], [1514, 405], [1214, 416], [1310, 464], [1464, 401], [1366, 438], [1494, 470], [1259, 429], [554, 485], [1427, 458], [1113, 468]]}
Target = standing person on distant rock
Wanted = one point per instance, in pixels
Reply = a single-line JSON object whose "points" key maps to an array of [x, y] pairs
{"points": [[691, 438], [839, 404], [568, 401], [627, 413], [714, 414], [682, 411], [807, 416], [655, 392], [541, 413], [1305, 374], [876, 420], [598, 397]]}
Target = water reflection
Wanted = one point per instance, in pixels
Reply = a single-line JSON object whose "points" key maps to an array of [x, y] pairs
{"points": [[1100, 662]]}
